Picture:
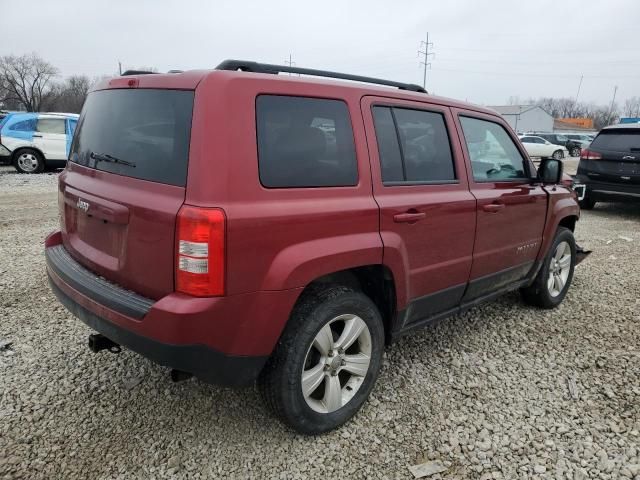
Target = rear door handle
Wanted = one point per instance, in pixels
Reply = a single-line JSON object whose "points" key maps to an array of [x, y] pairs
{"points": [[409, 217], [493, 207], [35, 135]]}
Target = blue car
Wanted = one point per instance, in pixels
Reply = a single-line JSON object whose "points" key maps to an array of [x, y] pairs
{"points": [[32, 141]]}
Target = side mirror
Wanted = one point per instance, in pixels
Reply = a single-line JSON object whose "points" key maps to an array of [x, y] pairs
{"points": [[550, 171]]}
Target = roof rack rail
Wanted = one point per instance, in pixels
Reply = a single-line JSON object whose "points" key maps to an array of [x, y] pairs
{"points": [[137, 72], [255, 67]]}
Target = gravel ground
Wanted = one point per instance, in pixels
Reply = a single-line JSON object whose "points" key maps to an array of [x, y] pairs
{"points": [[503, 391]]}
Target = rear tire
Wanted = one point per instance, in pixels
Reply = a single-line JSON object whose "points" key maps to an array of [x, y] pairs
{"points": [[554, 278], [27, 160], [313, 384], [575, 151]]}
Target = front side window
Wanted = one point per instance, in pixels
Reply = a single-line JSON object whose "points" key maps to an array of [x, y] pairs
{"points": [[493, 154], [305, 142], [414, 146], [51, 125]]}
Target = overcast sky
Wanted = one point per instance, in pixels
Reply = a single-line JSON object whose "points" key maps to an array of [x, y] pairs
{"points": [[486, 51]]}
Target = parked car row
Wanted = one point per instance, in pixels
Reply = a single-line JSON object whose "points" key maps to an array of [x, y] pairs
{"points": [[32, 141], [574, 143], [537, 146]]}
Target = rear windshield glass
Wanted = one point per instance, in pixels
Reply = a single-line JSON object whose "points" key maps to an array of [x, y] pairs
{"points": [[618, 141], [141, 133]]}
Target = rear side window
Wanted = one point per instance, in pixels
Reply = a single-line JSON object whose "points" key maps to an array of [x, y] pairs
{"points": [[149, 129], [51, 125], [494, 155], [414, 146], [618, 140], [304, 142], [24, 126]]}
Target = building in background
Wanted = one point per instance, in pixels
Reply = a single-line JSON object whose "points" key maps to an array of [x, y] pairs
{"points": [[561, 125], [525, 118], [630, 120], [581, 122]]}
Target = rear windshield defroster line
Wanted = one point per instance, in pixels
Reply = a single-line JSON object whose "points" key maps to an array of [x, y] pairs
{"points": [[148, 128]]}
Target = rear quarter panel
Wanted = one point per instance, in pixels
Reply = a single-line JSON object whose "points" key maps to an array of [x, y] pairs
{"points": [[276, 238]]}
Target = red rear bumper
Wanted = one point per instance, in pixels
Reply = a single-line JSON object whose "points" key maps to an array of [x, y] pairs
{"points": [[236, 326]]}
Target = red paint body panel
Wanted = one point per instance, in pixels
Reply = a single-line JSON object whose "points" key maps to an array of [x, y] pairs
{"points": [[276, 238], [280, 240], [127, 234]]}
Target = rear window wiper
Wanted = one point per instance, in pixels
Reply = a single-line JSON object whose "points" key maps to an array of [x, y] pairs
{"points": [[105, 157]]}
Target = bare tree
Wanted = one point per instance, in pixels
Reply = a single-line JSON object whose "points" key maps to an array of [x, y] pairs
{"points": [[631, 107], [69, 96], [26, 80], [602, 115]]}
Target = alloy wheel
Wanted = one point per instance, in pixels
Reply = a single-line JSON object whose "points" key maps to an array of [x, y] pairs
{"points": [[28, 162], [559, 269], [336, 363]]}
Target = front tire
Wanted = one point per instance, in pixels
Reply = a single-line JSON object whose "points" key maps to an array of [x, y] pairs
{"points": [[28, 160], [575, 151], [587, 203], [326, 361], [554, 278], [557, 155]]}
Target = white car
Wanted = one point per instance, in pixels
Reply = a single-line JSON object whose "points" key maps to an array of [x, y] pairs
{"points": [[539, 147], [33, 141]]}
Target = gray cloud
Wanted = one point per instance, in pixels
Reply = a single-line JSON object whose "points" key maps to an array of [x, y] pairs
{"points": [[486, 51]]}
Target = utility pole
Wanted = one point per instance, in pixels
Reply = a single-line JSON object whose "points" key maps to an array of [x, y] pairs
{"points": [[290, 62], [615, 90], [579, 86], [120, 68], [426, 45]]}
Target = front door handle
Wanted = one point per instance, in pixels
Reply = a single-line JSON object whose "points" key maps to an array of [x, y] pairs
{"points": [[36, 135], [409, 217], [493, 207]]}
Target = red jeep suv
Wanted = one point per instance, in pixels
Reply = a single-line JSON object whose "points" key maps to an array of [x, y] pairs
{"points": [[241, 226]]}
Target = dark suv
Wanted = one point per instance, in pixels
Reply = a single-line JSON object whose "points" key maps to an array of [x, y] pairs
{"points": [[242, 226], [609, 169], [573, 146]]}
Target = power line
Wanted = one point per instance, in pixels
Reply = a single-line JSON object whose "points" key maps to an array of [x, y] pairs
{"points": [[426, 45]]}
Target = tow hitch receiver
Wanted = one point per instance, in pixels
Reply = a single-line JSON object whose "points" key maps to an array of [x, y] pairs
{"points": [[179, 375], [98, 342]]}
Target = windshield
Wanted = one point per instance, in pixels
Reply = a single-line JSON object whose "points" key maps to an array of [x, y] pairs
{"points": [[147, 130]]}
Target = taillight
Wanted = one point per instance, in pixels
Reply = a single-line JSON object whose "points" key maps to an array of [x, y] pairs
{"points": [[200, 247], [586, 154]]}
